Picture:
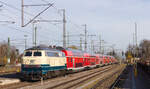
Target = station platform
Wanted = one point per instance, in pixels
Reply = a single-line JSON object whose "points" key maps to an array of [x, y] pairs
{"points": [[6, 81], [140, 80], [11, 78]]}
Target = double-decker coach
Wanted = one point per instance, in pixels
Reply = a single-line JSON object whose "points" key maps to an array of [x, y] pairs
{"points": [[78, 60], [74, 59]]}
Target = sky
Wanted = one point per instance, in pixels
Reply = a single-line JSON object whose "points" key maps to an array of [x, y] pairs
{"points": [[112, 19]]}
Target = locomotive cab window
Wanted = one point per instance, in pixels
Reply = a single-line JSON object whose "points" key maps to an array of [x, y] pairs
{"points": [[52, 54], [37, 54], [28, 54]]}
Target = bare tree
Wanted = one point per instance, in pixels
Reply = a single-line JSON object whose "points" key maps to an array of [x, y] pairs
{"points": [[145, 49], [4, 54]]}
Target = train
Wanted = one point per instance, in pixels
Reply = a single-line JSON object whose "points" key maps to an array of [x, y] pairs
{"points": [[47, 62]]}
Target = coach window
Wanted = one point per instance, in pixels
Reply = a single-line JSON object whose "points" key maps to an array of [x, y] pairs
{"points": [[28, 53], [69, 59], [88, 59], [37, 54], [101, 62]]}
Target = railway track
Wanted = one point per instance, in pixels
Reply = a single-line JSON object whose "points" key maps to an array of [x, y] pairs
{"points": [[105, 79], [71, 80], [74, 82], [110, 80], [61, 82]]}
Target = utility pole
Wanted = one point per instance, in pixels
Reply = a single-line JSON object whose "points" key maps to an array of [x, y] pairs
{"points": [[92, 46], [35, 42], [85, 43], [33, 27], [33, 33], [22, 13], [25, 44], [80, 43], [92, 42], [8, 60], [136, 49], [136, 33], [100, 47], [64, 29], [136, 45], [133, 45], [68, 39], [103, 46]]}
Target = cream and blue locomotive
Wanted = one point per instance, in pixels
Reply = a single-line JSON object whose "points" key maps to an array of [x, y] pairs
{"points": [[42, 62]]}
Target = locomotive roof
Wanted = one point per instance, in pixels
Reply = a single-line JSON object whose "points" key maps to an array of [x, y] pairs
{"points": [[45, 48]]}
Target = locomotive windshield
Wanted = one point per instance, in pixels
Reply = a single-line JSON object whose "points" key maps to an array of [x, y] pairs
{"points": [[28, 54], [37, 54]]}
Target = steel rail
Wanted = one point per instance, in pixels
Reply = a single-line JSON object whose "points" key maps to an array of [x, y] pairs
{"points": [[93, 74]]}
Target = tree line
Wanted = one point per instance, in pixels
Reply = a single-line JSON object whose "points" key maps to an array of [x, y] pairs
{"points": [[8, 52], [141, 51]]}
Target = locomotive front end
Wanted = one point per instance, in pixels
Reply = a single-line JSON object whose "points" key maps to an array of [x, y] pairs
{"points": [[33, 64]]}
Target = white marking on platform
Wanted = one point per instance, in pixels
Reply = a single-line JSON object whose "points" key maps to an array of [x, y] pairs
{"points": [[6, 81]]}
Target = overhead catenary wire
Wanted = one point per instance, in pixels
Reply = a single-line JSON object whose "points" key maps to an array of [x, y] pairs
{"points": [[12, 28], [11, 6], [68, 20], [75, 26], [19, 29]]}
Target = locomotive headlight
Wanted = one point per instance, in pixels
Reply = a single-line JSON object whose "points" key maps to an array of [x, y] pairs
{"points": [[32, 61]]}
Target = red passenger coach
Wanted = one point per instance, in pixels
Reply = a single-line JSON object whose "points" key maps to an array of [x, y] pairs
{"points": [[92, 61], [75, 59], [100, 60], [110, 59], [86, 60], [106, 60], [78, 60]]}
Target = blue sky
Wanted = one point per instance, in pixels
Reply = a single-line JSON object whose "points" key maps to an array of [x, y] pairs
{"points": [[112, 19]]}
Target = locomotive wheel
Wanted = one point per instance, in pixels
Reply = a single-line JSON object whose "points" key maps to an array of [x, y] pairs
{"points": [[63, 73]]}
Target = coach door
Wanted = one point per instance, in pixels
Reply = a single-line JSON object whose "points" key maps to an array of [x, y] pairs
{"points": [[70, 62]]}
